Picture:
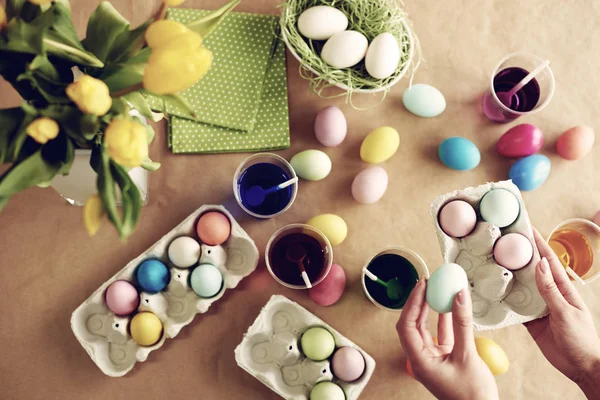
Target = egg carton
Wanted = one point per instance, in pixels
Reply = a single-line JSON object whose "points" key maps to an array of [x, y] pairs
{"points": [[500, 297], [270, 352], [105, 336]]}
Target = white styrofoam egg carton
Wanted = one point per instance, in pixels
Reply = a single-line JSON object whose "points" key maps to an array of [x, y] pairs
{"points": [[270, 352], [474, 253], [105, 335]]}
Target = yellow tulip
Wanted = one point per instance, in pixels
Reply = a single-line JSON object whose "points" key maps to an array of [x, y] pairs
{"points": [[3, 20], [126, 142], [178, 59], [40, 2], [173, 3], [93, 212], [91, 95], [43, 129]]}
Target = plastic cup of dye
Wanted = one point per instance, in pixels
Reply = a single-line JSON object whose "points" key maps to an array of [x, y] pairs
{"points": [[390, 264], [265, 170], [576, 242], [317, 259], [533, 97]]}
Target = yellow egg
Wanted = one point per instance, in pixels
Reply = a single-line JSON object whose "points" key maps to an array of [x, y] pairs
{"points": [[492, 355], [146, 328], [332, 226], [379, 145]]}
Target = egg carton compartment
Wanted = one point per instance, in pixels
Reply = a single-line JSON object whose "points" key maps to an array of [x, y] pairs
{"points": [[270, 351], [500, 297], [106, 337]]}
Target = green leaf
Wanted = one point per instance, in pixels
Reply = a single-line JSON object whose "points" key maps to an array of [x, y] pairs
{"points": [[150, 165], [127, 43], [106, 185], [127, 73], [59, 151], [149, 134], [140, 104], [131, 199], [10, 121], [51, 91], [104, 27], [119, 106], [3, 201], [205, 25], [180, 102], [13, 8], [62, 28], [17, 143], [27, 173]]}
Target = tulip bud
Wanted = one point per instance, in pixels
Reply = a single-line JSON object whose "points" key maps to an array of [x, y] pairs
{"points": [[126, 142], [91, 95], [93, 212], [43, 129]]}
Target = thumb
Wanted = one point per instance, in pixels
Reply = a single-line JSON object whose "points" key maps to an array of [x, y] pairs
{"points": [[548, 288], [462, 323]]}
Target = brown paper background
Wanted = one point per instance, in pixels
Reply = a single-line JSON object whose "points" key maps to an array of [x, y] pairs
{"points": [[48, 264]]}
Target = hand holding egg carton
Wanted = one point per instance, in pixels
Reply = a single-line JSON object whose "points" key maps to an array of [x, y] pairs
{"points": [[159, 292], [299, 356], [487, 232]]}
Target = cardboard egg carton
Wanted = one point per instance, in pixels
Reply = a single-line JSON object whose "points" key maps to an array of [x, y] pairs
{"points": [[500, 297], [270, 352], [105, 336]]}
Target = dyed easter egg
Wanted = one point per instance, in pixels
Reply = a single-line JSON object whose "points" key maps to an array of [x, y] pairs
{"points": [[443, 285], [184, 252], [332, 226], [513, 251], [321, 22], [152, 275], [330, 126], [424, 100], [457, 218], [530, 172], [383, 56], [459, 153], [213, 228], [492, 355], [345, 49], [206, 280], [575, 143], [145, 328], [370, 185], [348, 364], [317, 343], [122, 298], [327, 391], [379, 145], [520, 141], [499, 207], [312, 165], [330, 290]]}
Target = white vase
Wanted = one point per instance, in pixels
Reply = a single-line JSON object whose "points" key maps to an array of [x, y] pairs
{"points": [[81, 181]]}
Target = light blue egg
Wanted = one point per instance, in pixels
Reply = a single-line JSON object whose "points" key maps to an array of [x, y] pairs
{"points": [[206, 280], [153, 275], [530, 172], [424, 100], [459, 153], [443, 285]]}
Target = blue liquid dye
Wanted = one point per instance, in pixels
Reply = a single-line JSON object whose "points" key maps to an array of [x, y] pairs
{"points": [[266, 176]]}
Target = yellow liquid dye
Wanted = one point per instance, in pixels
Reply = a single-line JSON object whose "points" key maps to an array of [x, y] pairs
{"points": [[573, 249]]}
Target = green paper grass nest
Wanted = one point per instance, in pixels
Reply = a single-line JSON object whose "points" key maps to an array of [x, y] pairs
{"points": [[369, 17]]}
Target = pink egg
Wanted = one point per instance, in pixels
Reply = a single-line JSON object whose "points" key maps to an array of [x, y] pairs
{"points": [[330, 126], [575, 143], [513, 251], [330, 290], [213, 228], [520, 141], [348, 364], [457, 218], [122, 298]]}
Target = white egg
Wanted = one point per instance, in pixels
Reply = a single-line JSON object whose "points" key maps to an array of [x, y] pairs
{"points": [[345, 49], [370, 185], [383, 56], [322, 22], [184, 252]]}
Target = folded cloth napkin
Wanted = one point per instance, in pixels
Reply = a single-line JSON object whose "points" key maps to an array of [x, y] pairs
{"points": [[271, 131]]}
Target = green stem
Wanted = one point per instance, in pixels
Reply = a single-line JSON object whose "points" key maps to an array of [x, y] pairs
{"points": [[93, 61]]}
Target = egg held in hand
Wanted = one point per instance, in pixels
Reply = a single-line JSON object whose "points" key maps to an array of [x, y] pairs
{"points": [[457, 218], [443, 285], [317, 343], [213, 228]]}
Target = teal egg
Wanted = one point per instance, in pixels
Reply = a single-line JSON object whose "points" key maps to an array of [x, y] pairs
{"points": [[530, 172], [424, 100], [443, 285], [459, 153], [499, 207], [206, 280]]}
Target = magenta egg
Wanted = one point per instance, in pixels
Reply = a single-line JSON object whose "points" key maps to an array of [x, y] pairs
{"points": [[330, 290], [520, 141]]}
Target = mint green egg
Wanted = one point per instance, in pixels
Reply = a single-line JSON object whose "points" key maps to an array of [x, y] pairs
{"points": [[206, 280], [312, 165], [317, 344], [327, 391], [424, 100], [443, 285]]}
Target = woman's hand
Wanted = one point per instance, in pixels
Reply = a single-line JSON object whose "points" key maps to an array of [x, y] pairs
{"points": [[452, 369], [567, 336]]}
